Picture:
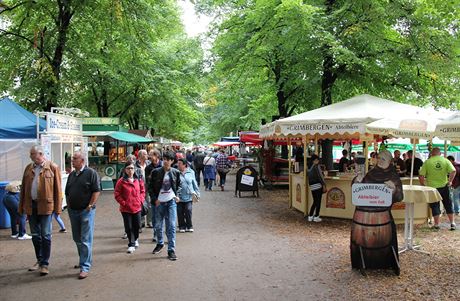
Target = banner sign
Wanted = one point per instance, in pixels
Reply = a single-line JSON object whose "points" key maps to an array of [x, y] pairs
{"points": [[279, 129], [101, 120], [62, 124], [373, 195]]}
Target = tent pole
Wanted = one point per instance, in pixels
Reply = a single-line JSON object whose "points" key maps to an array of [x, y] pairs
{"points": [[366, 154], [289, 172], [305, 178], [414, 145], [445, 148]]}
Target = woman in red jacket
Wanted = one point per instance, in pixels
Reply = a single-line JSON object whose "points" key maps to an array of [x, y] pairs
{"points": [[130, 194]]}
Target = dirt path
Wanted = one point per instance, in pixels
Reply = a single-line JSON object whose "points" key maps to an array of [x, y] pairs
{"points": [[234, 254], [242, 249]]}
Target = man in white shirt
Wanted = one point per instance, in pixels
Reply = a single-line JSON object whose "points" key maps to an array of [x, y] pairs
{"points": [[165, 188]]}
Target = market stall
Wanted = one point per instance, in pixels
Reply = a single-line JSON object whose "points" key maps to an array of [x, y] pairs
{"points": [[109, 143], [18, 133], [61, 138], [345, 120]]}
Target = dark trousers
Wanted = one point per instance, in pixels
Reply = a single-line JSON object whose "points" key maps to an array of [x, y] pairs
{"points": [[184, 215], [132, 223], [223, 177], [40, 227], [316, 206], [198, 172]]}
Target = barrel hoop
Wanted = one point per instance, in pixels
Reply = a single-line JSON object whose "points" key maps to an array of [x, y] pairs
{"points": [[372, 210], [371, 225], [371, 248]]}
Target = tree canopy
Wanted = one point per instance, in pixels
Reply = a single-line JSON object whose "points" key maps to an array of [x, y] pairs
{"points": [[290, 56], [127, 59]]}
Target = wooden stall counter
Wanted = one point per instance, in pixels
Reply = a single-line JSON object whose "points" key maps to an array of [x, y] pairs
{"points": [[336, 202]]}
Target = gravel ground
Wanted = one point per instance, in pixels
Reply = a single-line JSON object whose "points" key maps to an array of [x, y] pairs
{"points": [[242, 249]]}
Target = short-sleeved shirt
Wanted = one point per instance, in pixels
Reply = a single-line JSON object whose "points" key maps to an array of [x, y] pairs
{"points": [[166, 191], [435, 170]]}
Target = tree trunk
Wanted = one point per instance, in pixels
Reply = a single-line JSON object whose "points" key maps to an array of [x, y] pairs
{"points": [[63, 23]]}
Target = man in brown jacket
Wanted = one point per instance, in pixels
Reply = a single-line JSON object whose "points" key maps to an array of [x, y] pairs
{"points": [[41, 194]]}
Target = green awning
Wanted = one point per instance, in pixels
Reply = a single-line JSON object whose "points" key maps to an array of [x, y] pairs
{"points": [[121, 136]]}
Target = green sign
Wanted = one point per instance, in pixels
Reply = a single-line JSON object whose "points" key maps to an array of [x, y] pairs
{"points": [[101, 120]]}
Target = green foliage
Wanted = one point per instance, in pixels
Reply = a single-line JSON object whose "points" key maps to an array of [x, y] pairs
{"points": [[292, 55], [129, 59]]}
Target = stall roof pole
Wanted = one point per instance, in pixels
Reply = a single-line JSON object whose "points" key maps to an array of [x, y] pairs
{"points": [[366, 155], [305, 168], [414, 146], [289, 171]]}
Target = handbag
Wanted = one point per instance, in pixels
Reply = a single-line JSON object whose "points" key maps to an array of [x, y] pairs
{"points": [[145, 208], [195, 198]]}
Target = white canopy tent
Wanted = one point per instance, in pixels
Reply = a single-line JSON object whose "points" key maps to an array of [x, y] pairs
{"points": [[449, 128], [345, 120]]}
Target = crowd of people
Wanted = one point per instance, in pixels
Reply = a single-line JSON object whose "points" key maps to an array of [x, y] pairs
{"points": [[156, 189]]}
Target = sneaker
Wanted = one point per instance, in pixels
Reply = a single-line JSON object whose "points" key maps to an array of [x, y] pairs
{"points": [[172, 256], [453, 226], [83, 275], [63, 231], [317, 219], [436, 227], [310, 218], [136, 243], [189, 230], [157, 249], [154, 239], [181, 230], [34, 267], [24, 237], [125, 236], [130, 250], [15, 236], [44, 270], [149, 225]]}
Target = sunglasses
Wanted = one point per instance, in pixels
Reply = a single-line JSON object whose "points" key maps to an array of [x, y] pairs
{"points": [[129, 167]]}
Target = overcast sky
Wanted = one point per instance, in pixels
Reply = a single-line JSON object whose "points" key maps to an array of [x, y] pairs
{"points": [[194, 25]]}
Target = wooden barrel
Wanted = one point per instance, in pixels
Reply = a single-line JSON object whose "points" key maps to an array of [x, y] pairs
{"points": [[372, 231]]}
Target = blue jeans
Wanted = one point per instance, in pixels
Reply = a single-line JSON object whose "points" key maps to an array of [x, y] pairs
{"points": [[167, 212], [11, 206], [153, 210], [40, 226], [455, 196], [82, 222], [59, 221]]}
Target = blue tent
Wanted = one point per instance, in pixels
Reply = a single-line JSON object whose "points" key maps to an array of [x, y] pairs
{"points": [[16, 122]]}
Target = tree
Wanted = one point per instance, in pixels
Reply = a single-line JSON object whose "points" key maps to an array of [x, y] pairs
{"points": [[129, 59], [318, 52], [39, 31]]}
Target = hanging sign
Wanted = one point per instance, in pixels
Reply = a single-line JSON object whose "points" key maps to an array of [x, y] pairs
{"points": [[62, 124], [373, 195]]}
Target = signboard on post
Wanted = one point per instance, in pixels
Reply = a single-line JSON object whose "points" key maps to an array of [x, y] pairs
{"points": [[372, 195], [63, 124]]}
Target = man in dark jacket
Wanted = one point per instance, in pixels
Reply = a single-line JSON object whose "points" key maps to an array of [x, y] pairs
{"points": [[198, 165], [155, 162], [164, 188]]}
